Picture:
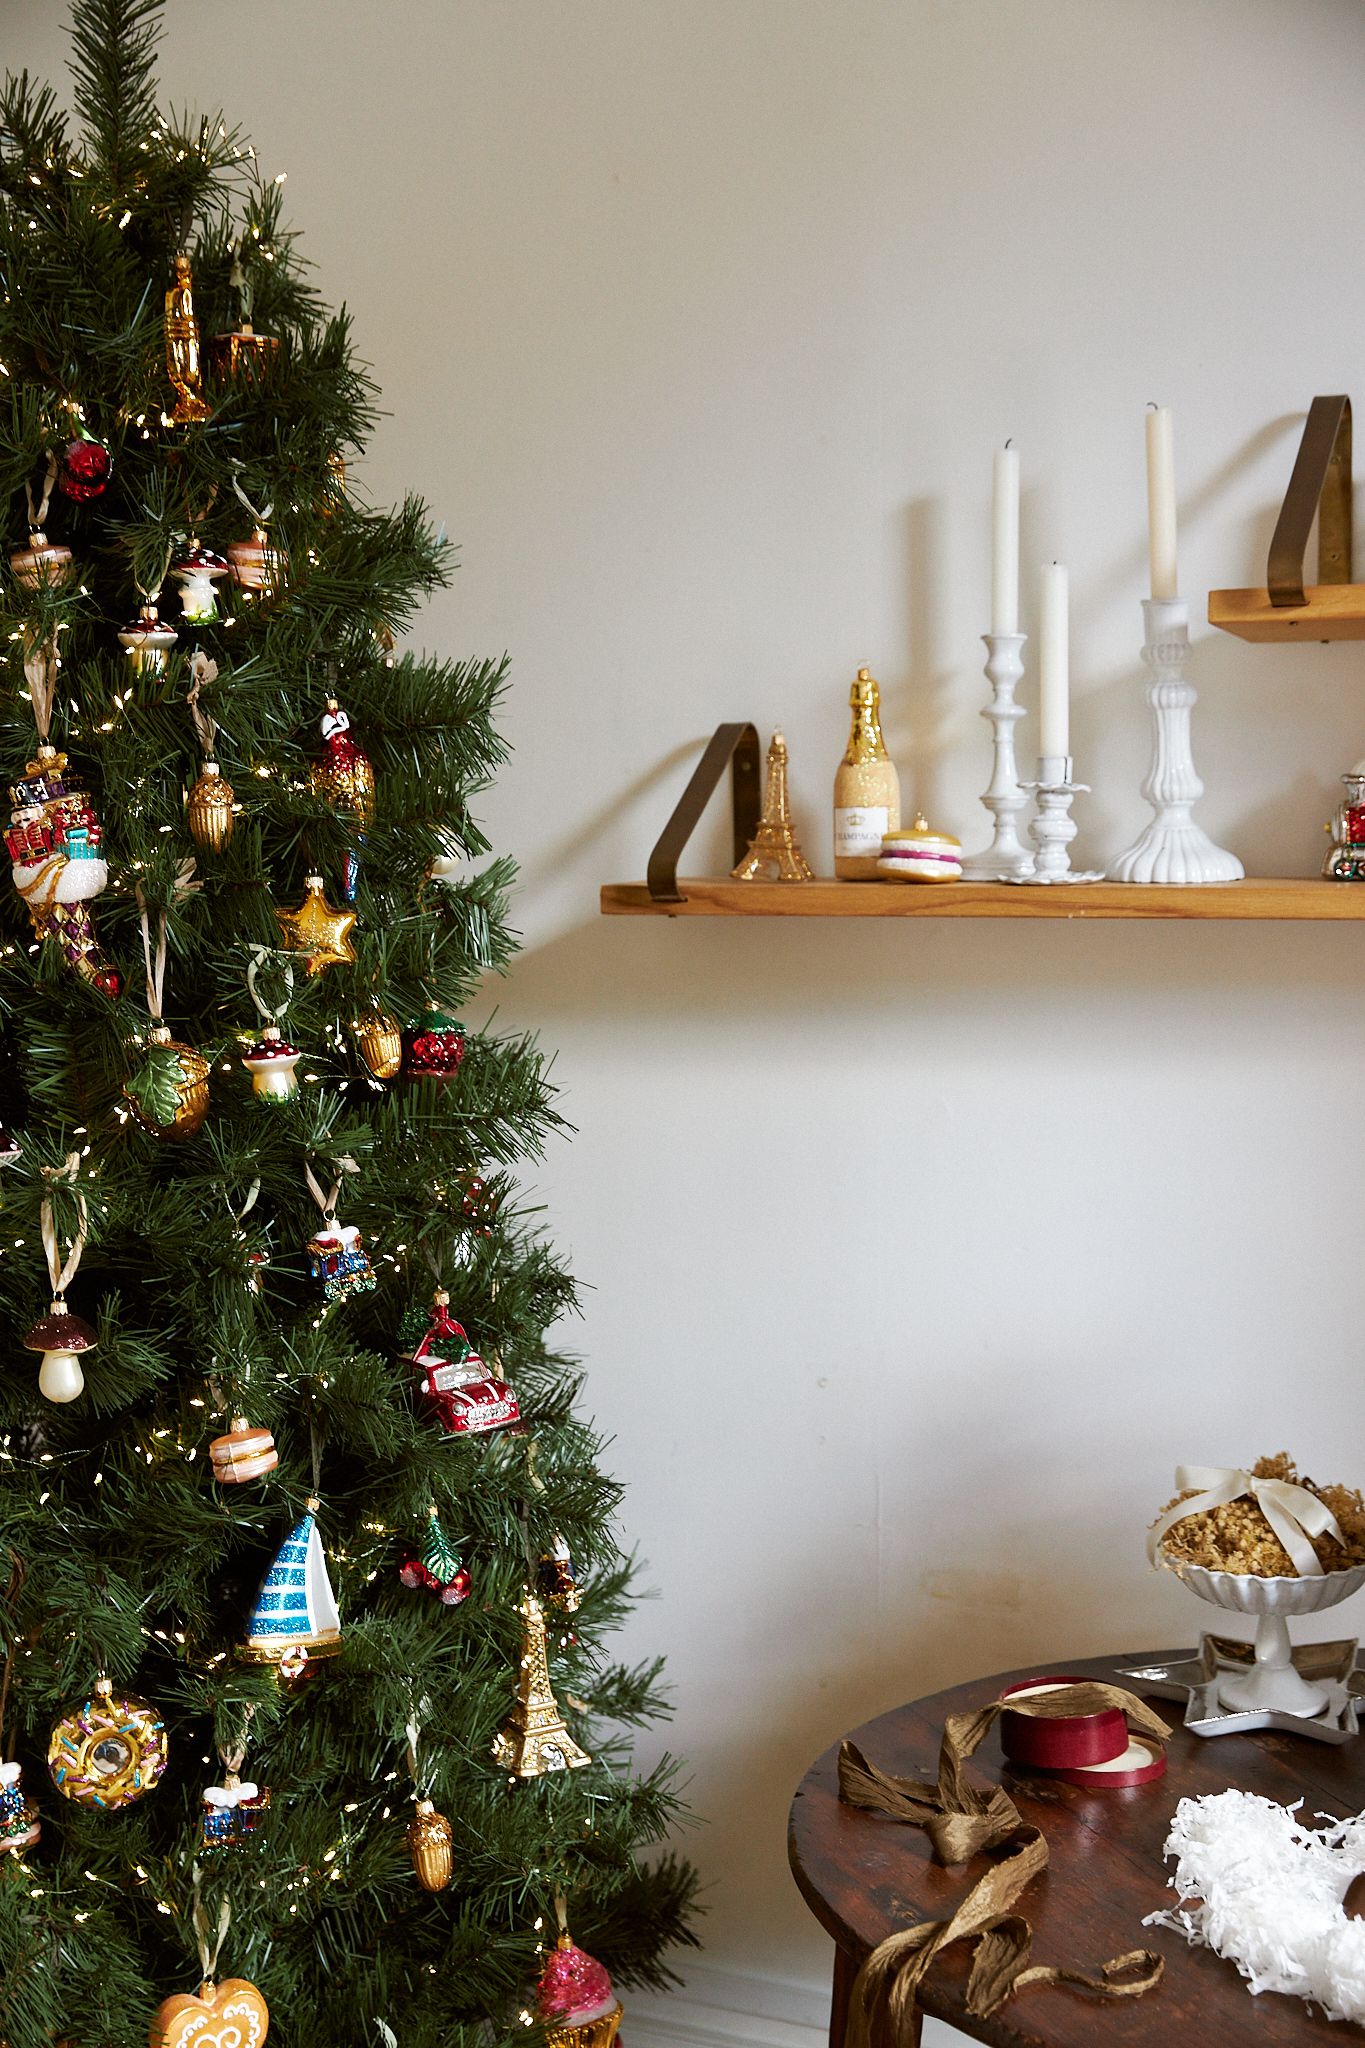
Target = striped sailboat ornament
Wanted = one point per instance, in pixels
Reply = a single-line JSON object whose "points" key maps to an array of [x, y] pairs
{"points": [[295, 1617]]}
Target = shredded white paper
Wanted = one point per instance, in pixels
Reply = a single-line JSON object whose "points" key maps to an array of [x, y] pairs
{"points": [[1262, 1890]]}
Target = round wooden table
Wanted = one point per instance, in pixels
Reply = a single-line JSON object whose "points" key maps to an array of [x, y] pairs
{"points": [[864, 1876]]}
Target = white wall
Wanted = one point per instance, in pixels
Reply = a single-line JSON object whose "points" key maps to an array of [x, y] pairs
{"points": [[918, 1256]]}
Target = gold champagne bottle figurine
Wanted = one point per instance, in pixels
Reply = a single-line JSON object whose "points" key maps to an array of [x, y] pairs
{"points": [[867, 790], [183, 365], [773, 852]]}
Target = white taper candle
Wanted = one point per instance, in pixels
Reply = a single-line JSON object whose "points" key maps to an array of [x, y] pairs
{"points": [[1005, 542], [1054, 680], [1161, 502]]}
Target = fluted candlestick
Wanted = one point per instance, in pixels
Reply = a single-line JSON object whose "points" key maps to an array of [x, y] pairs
{"points": [[1005, 859], [1173, 848]]}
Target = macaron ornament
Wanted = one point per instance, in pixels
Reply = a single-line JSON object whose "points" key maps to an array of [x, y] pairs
{"points": [[244, 1453], [921, 854]]}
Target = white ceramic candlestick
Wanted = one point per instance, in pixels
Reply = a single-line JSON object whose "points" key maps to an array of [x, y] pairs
{"points": [[1173, 848], [1053, 828], [1005, 859]]}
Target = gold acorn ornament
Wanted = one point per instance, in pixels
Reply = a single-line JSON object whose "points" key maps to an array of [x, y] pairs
{"points": [[168, 1096], [431, 1847], [209, 805], [318, 931], [379, 1041]]}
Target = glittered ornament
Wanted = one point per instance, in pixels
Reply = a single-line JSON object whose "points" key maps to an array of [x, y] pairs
{"points": [[318, 930], [575, 1999], [271, 1062], [439, 1568], [336, 1257], [62, 1338], [56, 851], [430, 1839], [379, 1042], [257, 566], [243, 1454], [555, 1580], [168, 1096], [233, 1811], [343, 777], [208, 809], [19, 1824], [147, 640], [43, 564], [534, 1741], [109, 1751], [469, 1399], [86, 466], [196, 571], [433, 1046], [295, 1616], [479, 1203], [232, 2014]]}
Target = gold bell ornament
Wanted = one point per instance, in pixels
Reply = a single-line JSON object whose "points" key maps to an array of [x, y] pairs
{"points": [[430, 1845], [209, 805]]}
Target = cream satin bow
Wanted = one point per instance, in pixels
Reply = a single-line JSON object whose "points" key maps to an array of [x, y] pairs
{"points": [[1292, 1511]]}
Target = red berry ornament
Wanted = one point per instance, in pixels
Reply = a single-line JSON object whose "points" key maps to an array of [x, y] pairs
{"points": [[433, 1046], [85, 469]]}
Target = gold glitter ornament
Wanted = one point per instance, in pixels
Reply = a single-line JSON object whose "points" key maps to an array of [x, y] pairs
{"points": [[430, 1838], [534, 1740], [208, 809], [168, 1096], [318, 930], [109, 1751]]}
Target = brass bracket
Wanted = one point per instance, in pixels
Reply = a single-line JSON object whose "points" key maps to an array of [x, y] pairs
{"points": [[1321, 484], [737, 744]]}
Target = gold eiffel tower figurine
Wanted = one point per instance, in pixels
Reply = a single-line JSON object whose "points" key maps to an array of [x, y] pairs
{"points": [[533, 1740], [773, 852]]}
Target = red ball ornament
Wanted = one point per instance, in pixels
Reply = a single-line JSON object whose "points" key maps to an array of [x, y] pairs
{"points": [[85, 469], [433, 1046]]}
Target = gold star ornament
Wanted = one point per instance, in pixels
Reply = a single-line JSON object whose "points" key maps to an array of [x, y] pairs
{"points": [[318, 930]]}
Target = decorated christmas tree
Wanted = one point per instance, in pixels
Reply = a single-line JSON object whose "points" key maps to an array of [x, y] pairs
{"points": [[306, 1558]]}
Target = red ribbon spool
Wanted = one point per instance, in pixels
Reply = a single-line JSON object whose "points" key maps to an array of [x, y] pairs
{"points": [[1067, 1743]]}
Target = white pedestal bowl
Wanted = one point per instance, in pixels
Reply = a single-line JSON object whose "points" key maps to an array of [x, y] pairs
{"points": [[1272, 1685]]}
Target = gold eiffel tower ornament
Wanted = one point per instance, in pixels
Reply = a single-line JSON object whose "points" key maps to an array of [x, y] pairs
{"points": [[774, 855], [533, 1740]]}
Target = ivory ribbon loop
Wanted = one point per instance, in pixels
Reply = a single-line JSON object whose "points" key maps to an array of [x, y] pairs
{"points": [[1292, 1511]]}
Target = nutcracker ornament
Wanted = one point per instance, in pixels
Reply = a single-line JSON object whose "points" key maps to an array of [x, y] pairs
{"points": [[344, 778], [20, 1828], [108, 1752], [575, 2000], [433, 1046], [439, 1569], [295, 1617], [469, 1400]]}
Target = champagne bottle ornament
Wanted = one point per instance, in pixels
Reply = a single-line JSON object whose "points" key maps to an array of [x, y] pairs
{"points": [[183, 364], [55, 841], [209, 805], [258, 567], [42, 565], [336, 1252], [60, 1336], [108, 1752], [168, 1095], [344, 778]]}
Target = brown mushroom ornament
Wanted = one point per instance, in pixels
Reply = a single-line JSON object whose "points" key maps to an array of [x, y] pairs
{"points": [[61, 1337]]}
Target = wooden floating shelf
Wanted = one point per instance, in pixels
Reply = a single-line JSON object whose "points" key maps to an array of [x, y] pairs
{"points": [[1334, 611], [1290, 900]]}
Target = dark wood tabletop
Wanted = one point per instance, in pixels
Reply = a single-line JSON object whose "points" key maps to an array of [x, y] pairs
{"points": [[864, 1876]]}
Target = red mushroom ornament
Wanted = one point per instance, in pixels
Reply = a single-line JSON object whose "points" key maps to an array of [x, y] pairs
{"points": [[61, 1337]]}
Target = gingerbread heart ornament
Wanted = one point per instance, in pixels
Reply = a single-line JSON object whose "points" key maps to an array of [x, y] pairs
{"points": [[232, 2014]]}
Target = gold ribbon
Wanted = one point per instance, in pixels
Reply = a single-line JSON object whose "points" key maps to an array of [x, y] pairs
{"points": [[962, 1820], [1292, 1511]]}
